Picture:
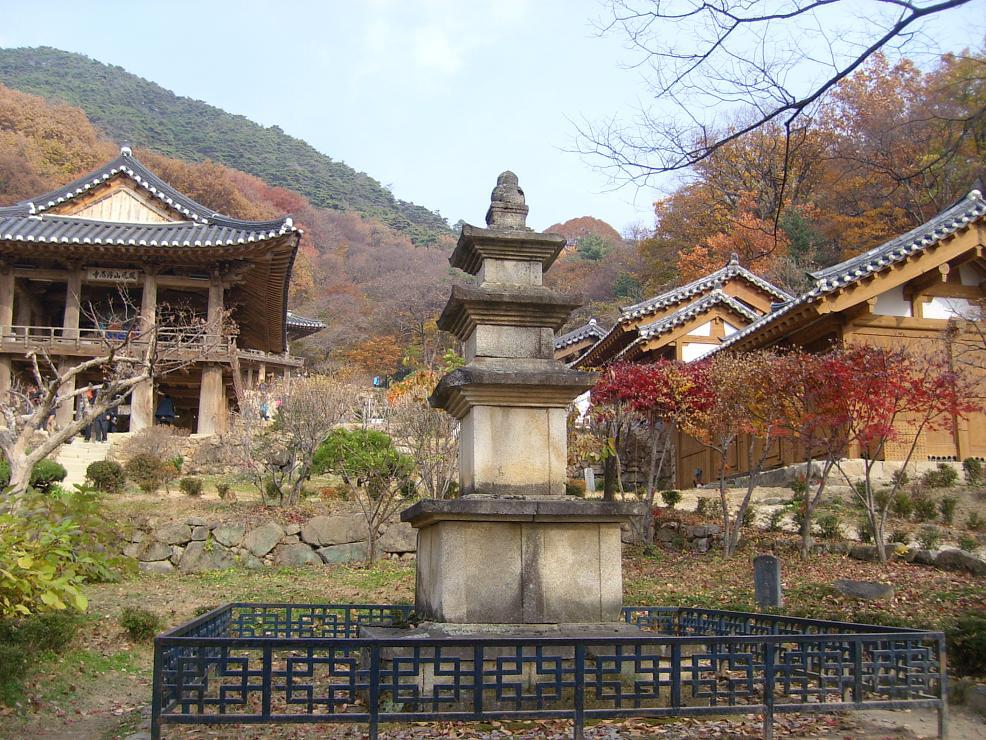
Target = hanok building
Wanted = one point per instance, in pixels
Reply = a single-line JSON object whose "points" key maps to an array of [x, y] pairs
{"points": [[66, 256], [570, 346], [687, 322], [905, 292]]}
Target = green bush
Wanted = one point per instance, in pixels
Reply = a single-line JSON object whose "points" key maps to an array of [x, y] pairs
{"points": [[943, 476], [776, 517], [975, 522], [147, 471], [968, 543], [21, 640], [899, 477], [903, 505], [929, 537], [190, 486], [140, 624], [830, 525], [361, 454], [106, 476], [925, 508], [900, 535], [966, 645], [671, 498], [223, 490], [45, 474], [947, 506], [575, 487], [973, 470], [865, 530]]}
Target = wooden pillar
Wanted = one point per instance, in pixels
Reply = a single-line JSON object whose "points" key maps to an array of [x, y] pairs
{"points": [[249, 377], [73, 301], [142, 398], [212, 400], [261, 373], [6, 319]]}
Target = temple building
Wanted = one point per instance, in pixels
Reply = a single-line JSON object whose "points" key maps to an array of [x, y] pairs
{"points": [[570, 346], [119, 246], [905, 292], [687, 322]]}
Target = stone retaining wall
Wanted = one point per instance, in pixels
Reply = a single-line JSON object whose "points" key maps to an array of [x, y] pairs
{"points": [[199, 544]]}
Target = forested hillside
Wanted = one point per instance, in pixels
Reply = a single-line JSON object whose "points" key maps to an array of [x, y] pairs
{"points": [[131, 109]]}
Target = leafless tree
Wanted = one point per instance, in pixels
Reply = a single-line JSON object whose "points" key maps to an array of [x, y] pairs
{"points": [[276, 454], [121, 360], [431, 438], [718, 71]]}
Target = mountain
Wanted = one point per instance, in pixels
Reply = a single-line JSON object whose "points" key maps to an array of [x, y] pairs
{"points": [[131, 109]]}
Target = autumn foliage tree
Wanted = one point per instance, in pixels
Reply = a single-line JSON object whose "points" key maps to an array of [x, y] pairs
{"points": [[657, 397]]}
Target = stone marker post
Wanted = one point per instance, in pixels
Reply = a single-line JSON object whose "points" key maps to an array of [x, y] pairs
{"points": [[513, 550], [767, 580]]}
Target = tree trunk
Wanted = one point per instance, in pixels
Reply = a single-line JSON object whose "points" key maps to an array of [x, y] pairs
{"points": [[609, 478]]}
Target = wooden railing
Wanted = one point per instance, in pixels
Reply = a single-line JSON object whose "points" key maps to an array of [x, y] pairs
{"points": [[59, 339]]}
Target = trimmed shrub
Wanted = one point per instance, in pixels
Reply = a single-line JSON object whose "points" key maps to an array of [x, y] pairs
{"points": [[903, 505], [776, 517], [21, 640], [943, 476], [223, 490], [925, 508], [901, 535], [190, 486], [973, 471], [900, 477], [865, 531], [967, 645], [106, 476], [968, 543], [929, 537], [45, 474], [671, 498], [147, 471], [975, 522], [830, 525], [140, 624], [947, 508], [575, 487]]}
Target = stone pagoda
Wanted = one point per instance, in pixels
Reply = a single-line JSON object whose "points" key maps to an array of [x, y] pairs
{"points": [[514, 549]]}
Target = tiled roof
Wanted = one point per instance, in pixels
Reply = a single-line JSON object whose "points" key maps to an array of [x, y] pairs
{"points": [[67, 230], [970, 208], [732, 269], [300, 326], [127, 165], [703, 304], [592, 330]]}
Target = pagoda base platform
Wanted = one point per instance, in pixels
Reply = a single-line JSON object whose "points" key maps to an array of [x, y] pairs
{"points": [[519, 561]]}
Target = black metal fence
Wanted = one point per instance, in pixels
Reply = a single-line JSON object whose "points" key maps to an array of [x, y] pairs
{"points": [[274, 663]]}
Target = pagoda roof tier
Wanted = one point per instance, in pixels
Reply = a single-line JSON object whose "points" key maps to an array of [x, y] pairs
{"points": [[531, 306], [300, 326], [519, 383], [476, 244]]}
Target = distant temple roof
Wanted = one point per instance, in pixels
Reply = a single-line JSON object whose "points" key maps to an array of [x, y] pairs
{"points": [[958, 216], [300, 326], [732, 269], [591, 330]]}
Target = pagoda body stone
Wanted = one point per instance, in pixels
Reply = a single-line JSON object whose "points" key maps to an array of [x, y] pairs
{"points": [[514, 550]]}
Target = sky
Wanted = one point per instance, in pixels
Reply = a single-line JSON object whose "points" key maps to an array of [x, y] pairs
{"points": [[433, 98]]}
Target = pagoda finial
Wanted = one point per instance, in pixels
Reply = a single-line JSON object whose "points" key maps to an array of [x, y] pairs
{"points": [[733, 259], [508, 209], [126, 151]]}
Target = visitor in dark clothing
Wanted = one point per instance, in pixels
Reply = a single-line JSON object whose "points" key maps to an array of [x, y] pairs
{"points": [[165, 413]]}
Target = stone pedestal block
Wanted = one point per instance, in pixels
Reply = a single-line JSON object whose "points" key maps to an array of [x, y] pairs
{"points": [[512, 561], [513, 451]]}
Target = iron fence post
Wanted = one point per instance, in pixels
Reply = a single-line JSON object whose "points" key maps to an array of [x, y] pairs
{"points": [[578, 728], [942, 690], [477, 681], [268, 680], [156, 689], [675, 675], [374, 707], [768, 691]]}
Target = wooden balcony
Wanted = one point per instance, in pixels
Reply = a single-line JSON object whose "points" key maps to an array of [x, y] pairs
{"points": [[82, 343]]}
